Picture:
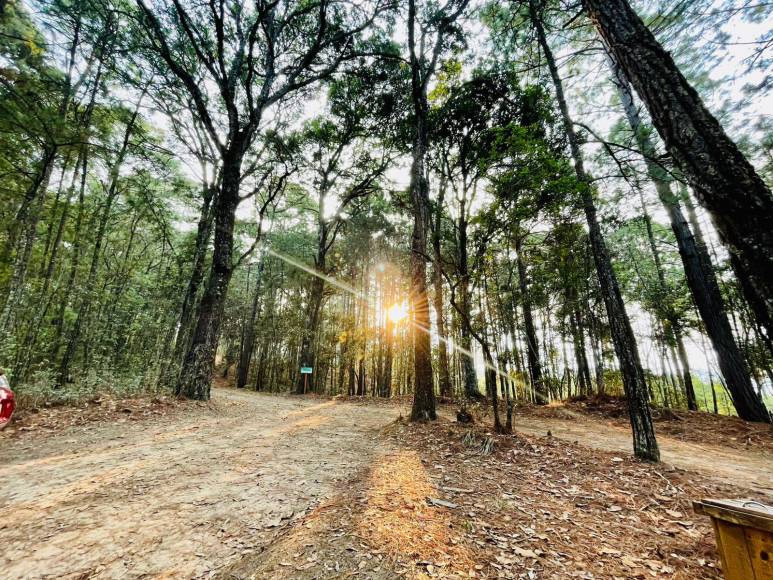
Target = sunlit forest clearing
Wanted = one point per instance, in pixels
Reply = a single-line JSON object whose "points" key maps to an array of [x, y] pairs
{"points": [[377, 288]]}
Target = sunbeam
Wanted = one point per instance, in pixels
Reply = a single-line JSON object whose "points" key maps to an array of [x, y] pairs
{"points": [[352, 290]]}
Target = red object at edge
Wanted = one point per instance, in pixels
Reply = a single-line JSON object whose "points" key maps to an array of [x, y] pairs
{"points": [[7, 405]]}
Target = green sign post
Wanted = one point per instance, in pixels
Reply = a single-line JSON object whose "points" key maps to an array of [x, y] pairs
{"points": [[306, 371]]}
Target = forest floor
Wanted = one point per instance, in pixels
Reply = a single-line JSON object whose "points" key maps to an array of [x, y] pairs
{"points": [[724, 448], [259, 486]]}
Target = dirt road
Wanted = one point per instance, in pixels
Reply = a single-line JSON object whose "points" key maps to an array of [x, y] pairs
{"points": [[186, 494], [179, 496], [742, 468]]}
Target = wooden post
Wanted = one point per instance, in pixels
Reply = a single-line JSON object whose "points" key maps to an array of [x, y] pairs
{"points": [[744, 535]]}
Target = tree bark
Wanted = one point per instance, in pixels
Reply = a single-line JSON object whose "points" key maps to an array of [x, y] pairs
{"points": [[699, 272], [740, 203], [248, 344], [423, 407], [444, 376], [532, 343], [470, 377], [644, 443], [171, 373], [195, 375], [86, 302], [580, 353]]}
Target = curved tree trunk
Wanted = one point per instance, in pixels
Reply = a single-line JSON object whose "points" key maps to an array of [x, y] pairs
{"points": [[699, 273]]}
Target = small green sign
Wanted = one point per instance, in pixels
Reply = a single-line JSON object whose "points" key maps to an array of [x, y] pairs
{"points": [[306, 370]]}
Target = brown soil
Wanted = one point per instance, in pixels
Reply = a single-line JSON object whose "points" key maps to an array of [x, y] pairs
{"points": [[689, 426], [176, 496], [262, 486], [46, 420], [536, 507], [691, 445], [545, 508]]}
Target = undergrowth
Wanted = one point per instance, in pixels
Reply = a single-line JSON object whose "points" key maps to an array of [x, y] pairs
{"points": [[42, 391]]}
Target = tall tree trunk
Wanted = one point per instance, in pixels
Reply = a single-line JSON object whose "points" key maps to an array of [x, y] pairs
{"points": [[171, 373], [248, 343], [196, 373], [672, 326], [112, 194], [726, 184], [444, 377], [389, 339], [27, 216], [698, 270], [308, 342], [532, 344], [423, 407], [470, 377], [47, 272], [692, 402], [314, 306], [583, 372], [644, 443]]}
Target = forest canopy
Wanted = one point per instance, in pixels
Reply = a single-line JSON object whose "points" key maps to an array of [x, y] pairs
{"points": [[521, 201]]}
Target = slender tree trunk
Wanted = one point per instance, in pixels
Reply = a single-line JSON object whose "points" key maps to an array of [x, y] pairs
{"points": [[112, 194], [314, 306], [248, 344], [583, 372], [727, 185], [171, 373], [684, 360], [444, 377], [308, 342], [644, 443], [27, 216], [532, 344], [468, 364], [698, 270]]}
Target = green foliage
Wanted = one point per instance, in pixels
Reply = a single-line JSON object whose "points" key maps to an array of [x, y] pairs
{"points": [[111, 162], [41, 390]]}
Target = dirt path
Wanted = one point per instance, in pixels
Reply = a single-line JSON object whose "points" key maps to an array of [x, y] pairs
{"points": [[186, 494], [743, 468], [178, 496]]}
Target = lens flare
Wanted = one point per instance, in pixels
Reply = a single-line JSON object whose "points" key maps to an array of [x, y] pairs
{"points": [[395, 313], [398, 312]]}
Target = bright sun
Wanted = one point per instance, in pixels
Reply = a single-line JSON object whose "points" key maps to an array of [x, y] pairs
{"points": [[398, 312]]}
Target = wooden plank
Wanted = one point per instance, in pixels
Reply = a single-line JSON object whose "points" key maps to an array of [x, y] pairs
{"points": [[760, 546], [741, 512], [731, 540]]}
